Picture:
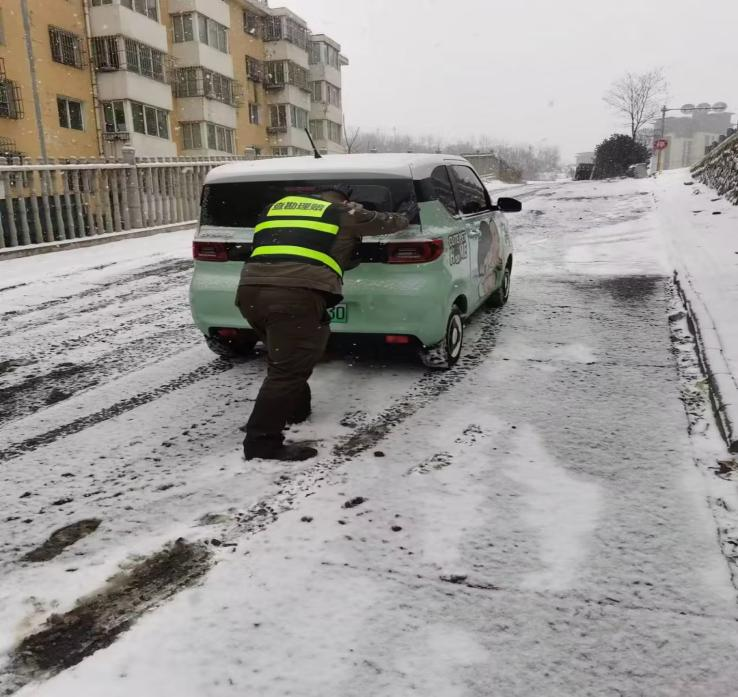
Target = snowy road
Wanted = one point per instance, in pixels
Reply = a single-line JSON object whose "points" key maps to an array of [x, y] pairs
{"points": [[532, 522]]}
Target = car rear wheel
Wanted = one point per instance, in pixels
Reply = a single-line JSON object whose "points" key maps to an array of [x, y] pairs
{"points": [[500, 296], [239, 346], [448, 352]]}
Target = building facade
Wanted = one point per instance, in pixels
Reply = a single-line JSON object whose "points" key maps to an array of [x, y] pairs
{"points": [[689, 137], [83, 78]]}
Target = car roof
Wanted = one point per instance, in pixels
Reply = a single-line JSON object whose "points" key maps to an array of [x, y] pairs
{"points": [[372, 165]]}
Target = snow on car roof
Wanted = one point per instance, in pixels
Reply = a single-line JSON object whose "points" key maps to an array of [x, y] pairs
{"points": [[374, 165]]}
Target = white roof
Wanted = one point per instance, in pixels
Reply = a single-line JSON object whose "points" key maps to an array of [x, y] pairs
{"points": [[374, 165]]}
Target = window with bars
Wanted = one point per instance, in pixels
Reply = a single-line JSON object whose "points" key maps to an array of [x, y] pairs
{"points": [[272, 28], [182, 28], [278, 117], [219, 87], [149, 8], [296, 33], [200, 82], [254, 114], [220, 138], [144, 60], [281, 152], [66, 47], [252, 24], [98, 3], [281, 73], [275, 73], [192, 135], [70, 113], [254, 69], [11, 104], [299, 117], [149, 120], [114, 117], [106, 53]]}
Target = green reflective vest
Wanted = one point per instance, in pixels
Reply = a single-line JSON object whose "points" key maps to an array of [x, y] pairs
{"points": [[297, 228]]}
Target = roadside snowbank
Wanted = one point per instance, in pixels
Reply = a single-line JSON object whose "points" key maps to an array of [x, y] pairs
{"points": [[701, 233]]}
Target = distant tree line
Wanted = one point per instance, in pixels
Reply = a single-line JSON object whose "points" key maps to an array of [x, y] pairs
{"points": [[529, 161]]}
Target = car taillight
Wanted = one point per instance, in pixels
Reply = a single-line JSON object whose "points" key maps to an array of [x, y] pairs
{"points": [[396, 339], [209, 251], [414, 252]]}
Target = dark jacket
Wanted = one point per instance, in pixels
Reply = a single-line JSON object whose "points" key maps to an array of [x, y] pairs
{"points": [[355, 222]]}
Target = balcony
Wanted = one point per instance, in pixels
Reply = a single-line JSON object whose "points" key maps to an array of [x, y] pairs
{"points": [[203, 109], [107, 20], [126, 85], [218, 11], [193, 53]]}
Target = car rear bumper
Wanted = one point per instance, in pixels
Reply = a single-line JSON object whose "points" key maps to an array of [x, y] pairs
{"points": [[380, 300]]}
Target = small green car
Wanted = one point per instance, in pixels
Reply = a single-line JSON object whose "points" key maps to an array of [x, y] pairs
{"points": [[413, 288]]}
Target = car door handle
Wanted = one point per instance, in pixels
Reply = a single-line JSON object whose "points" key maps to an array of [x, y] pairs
{"points": [[473, 232]]}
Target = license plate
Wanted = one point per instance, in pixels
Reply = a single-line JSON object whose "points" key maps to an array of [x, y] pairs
{"points": [[339, 314]]}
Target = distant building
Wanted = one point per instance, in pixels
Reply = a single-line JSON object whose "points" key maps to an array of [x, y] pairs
{"points": [[690, 136], [170, 77]]}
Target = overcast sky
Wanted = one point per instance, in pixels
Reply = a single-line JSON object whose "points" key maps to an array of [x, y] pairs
{"points": [[521, 70]]}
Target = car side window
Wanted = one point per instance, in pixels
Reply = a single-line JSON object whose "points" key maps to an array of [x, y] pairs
{"points": [[443, 190], [470, 191]]}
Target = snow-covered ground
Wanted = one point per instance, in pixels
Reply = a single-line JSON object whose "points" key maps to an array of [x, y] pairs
{"points": [[541, 520], [701, 230]]}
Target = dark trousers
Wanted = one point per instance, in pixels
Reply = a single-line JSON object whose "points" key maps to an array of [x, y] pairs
{"points": [[295, 327]]}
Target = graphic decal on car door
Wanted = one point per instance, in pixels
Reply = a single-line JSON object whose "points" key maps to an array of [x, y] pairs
{"points": [[489, 258]]}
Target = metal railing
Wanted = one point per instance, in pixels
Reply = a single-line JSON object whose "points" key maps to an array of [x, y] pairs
{"points": [[55, 201]]}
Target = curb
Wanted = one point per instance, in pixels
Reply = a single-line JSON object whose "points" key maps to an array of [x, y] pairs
{"points": [[723, 392], [105, 238]]}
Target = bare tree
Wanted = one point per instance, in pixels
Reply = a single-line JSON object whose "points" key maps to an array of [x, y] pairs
{"points": [[637, 96], [350, 135]]}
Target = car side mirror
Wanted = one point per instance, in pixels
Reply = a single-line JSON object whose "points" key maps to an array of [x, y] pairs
{"points": [[509, 205]]}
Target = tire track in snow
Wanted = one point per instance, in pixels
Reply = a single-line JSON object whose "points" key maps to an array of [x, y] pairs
{"points": [[66, 380], [16, 449], [428, 388], [167, 271]]}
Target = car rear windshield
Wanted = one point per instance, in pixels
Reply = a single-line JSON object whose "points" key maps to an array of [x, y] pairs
{"points": [[239, 204]]}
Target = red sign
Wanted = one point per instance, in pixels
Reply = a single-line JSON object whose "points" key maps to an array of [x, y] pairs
{"points": [[660, 144]]}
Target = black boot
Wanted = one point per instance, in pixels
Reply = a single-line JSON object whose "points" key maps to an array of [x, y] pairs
{"points": [[274, 450]]}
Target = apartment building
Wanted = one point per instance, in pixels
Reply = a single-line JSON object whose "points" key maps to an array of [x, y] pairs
{"points": [[326, 111], [84, 78]]}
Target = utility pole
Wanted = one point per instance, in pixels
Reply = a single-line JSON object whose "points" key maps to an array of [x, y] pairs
{"points": [[663, 128]]}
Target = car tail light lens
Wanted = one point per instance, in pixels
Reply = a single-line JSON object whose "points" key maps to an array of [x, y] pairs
{"points": [[227, 333], [209, 251], [397, 339], [414, 252]]}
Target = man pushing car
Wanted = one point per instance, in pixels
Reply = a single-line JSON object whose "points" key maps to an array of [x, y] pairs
{"points": [[302, 246]]}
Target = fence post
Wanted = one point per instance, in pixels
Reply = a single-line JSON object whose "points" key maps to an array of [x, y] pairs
{"points": [[134, 193]]}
